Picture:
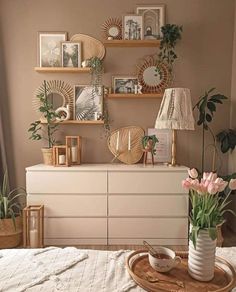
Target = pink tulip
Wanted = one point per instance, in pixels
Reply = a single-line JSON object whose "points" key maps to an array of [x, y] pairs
{"points": [[232, 184], [212, 188], [186, 183], [210, 176], [192, 173], [221, 184]]}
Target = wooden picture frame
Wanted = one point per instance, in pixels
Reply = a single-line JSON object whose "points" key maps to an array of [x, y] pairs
{"points": [[132, 27], [163, 147], [71, 54], [153, 19], [124, 84], [49, 48], [88, 102]]}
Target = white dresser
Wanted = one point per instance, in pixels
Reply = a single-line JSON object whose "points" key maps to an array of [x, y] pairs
{"points": [[110, 203]]}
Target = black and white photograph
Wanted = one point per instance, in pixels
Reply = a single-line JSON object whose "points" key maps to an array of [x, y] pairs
{"points": [[50, 48], [124, 84], [88, 102], [153, 20], [133, 27], [71, 54]]}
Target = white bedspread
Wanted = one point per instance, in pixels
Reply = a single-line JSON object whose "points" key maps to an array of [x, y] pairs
{"points": [[71, 270]]}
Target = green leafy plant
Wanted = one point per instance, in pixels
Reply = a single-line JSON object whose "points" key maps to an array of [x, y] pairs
{"points": [[227, 139], [171, 34], [9, 206], [146, 140], [206, 107], [46, 108], [97, 69], [208, 206]]}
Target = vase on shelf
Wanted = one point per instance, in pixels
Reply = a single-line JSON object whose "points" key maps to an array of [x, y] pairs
{"points": [[47, 156], [201, 260]]}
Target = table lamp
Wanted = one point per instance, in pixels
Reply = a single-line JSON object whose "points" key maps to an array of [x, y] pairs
{"points": [[175, 113]]}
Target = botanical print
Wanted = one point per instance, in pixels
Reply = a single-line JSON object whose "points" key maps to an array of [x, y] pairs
{"points": [[71, 54], [124, 84], [133, 27], [153, 20], [88, 102], [50, 49]]}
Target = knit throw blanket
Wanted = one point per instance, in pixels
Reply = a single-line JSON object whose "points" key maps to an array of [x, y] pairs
{"points": [[71, 270]]}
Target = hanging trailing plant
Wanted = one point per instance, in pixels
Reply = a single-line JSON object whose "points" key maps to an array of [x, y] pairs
{"points": [[171, 34], [97, 69]]}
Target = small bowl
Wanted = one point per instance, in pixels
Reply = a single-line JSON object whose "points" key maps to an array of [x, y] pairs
{"points": [[167, 262]]}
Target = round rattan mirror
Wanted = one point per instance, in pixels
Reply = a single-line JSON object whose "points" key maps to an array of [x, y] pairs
{"points": [[112, 27]]}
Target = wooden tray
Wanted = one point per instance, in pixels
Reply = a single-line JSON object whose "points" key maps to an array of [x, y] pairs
{"points": [[138, 267]]}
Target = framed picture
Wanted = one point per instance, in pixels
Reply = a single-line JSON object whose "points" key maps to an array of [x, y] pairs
{"points": [[124, 84], [71, 54], [163, 147], [133, 27], [50, 48], [88, 102], [153, 20]]}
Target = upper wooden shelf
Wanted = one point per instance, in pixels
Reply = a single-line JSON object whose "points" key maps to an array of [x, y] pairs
{"points": [[61, 70], [134, 96], [75, 122], [132, 43]]}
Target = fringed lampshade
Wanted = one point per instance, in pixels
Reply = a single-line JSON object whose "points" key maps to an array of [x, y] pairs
{"points": [[176, 114]]}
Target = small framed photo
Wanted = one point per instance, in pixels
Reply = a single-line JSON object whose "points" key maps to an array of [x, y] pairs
{"points": [[88, 102], [132, 27], [163, 147], [124, 84], [50, 48], [71, 54], [153, 20]]}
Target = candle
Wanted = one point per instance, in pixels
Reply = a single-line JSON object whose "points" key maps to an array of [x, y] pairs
{"points": [[96, 116], [135, 88], [74, 154], [117, 140], [129, 142], [33, 238], [62, 159]]}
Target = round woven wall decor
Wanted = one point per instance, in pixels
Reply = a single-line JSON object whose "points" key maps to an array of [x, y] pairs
{"points": [[153, 76], [59, 87], [112, 27], [120, 138]]}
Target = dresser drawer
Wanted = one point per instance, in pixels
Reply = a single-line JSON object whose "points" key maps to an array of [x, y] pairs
{"points": [[145, 182], [66, 182], [75, 228], [70, 205], [148, 227], [148, 205]]}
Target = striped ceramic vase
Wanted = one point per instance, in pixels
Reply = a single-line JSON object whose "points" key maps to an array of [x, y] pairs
{"points": [[201, 261]]}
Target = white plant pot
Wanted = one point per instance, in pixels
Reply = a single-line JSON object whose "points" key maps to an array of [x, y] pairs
{"points": [[201, 261]]}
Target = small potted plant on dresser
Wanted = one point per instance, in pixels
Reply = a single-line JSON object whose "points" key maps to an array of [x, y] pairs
{"points": [[10, 215], [48, 116]]}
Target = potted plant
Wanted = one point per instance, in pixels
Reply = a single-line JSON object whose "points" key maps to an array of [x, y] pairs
{"points": [[207, 210], [47, 134], [149, 143], [227, 139], [10, 215]]}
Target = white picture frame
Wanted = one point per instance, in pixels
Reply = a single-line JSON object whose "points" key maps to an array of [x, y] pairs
{"points": [[132, 27], [153, 20], [49, 48], [71, 54], [163, 147]]}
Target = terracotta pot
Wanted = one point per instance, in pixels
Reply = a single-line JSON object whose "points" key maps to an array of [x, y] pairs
{"points": [[201, 261], [47, 156], [9, 235]]}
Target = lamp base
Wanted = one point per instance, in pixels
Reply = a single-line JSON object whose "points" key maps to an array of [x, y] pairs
{"points": [[173, 148]]}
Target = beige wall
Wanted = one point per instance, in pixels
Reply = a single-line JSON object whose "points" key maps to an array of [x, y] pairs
{"points": [[205, 57]]}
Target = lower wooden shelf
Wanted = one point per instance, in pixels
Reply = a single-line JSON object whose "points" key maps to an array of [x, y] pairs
{"points": [[75, 122], [134, 96]]}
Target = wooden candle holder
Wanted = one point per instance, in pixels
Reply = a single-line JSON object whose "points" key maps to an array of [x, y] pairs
{"points": [[74, 146], [60, 155], [33, 226]]}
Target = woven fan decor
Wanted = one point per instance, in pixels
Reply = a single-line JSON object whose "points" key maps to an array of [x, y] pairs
{"points": [[118, 144], [91, 47]]}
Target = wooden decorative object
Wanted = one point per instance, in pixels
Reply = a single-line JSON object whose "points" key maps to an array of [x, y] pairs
{"points": [[60, 155], [148, 151], [146, 277], [56, 87], [33, 226], [73, 144], [152, 75], [112, 29], [126, 144]]}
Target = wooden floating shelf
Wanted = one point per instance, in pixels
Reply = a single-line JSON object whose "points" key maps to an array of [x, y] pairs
{"points": [[61, 70], [134, 96], [132, 43], [75, 122]]}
